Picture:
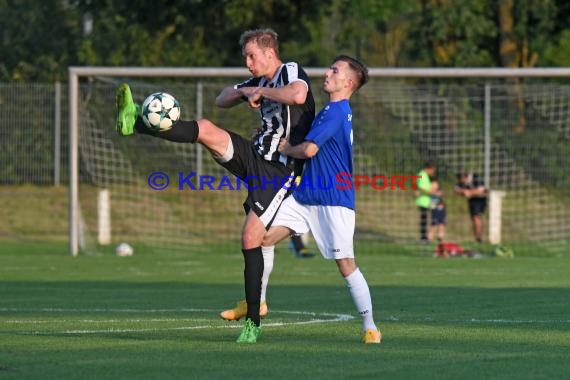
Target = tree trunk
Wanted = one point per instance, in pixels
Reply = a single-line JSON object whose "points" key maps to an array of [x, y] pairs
{"points": [[511, 56]]}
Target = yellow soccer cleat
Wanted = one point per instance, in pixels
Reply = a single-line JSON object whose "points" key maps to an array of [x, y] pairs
{"points": [[372, 336], [240, 311]]}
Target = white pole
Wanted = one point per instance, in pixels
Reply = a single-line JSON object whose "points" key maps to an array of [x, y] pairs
{"points": [[495, 215], [104, 217], [468, 72], [57, 135], [199, 107], [73, 163], [487, 137]]}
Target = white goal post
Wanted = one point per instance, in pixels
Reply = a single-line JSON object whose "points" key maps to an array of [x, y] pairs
{"points": [[76, 74]]}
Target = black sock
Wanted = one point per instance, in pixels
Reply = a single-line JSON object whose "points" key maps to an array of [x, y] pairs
{"points": [[181, 131], [297, 242], [252, 274]]}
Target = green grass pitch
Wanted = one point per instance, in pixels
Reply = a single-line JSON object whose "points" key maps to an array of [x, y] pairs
{"points": [[155, 316]]}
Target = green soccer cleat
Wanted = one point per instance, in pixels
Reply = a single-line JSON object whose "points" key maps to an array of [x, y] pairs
{"points": [[127, 111], [249, 333]]}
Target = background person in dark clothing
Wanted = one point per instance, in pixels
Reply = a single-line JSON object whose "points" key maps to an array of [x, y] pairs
{"points": [[471, 186]]}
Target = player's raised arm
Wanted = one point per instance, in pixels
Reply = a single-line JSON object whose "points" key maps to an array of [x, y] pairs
{"points": [[293, 93], [304, 150], [229, 97]]}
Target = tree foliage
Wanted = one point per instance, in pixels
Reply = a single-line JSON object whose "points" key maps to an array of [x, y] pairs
{"points": [[41, 39]]}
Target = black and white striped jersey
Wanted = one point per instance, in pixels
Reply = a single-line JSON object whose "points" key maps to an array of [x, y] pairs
{"points": [[280, 120]]}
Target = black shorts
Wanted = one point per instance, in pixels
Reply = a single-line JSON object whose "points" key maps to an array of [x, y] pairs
{"points": [[268, 183], [477, 206], [438, 216]]}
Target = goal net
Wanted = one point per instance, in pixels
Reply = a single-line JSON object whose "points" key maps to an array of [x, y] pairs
{"points": [[514, 133]]}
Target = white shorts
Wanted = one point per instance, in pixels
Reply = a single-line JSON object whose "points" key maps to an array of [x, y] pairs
{"points": [[332, 226]]}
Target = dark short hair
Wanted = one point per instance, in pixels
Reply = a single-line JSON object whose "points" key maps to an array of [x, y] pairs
{"points": [[357, 67], [462, 174], [265, 38], [429, 164]]}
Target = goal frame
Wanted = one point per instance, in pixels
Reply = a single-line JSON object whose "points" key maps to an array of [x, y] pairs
{"points": [[75, 73]]}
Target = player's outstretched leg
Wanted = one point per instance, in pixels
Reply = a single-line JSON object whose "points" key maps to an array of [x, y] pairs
{"points": [[240, 310], [249, 333], [127, 110]]}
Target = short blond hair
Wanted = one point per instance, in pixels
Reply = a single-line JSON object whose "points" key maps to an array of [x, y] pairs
{"points": [[265, 39]]}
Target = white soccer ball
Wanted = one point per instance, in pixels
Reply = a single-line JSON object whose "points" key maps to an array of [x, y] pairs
{"points": [[124, 249], [160, 110]]}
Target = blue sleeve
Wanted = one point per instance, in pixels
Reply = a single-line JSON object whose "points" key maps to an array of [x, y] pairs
{"points": [[327, 124]]}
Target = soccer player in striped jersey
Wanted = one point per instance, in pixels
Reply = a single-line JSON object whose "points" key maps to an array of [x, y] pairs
{"points": [[322, 203], [282, 93]]}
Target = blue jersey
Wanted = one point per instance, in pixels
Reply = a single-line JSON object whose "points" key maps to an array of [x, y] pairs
{"points": [[327, 179]]}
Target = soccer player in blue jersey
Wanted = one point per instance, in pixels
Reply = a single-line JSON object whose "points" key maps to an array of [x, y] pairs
{"points": [[324, 201]]}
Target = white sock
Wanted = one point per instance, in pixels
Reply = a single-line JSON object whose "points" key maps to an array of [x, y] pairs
{"points": [[360, 293], [268, 256]]}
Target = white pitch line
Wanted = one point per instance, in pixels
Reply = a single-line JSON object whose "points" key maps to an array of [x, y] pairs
{"points": [[100, 310], [507, 321], [336, 317], [316, 318], [53, 321], [476, 320], [120, 331]]}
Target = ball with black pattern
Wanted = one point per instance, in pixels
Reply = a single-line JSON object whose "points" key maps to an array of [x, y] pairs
{"points": [[160, 111]]}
